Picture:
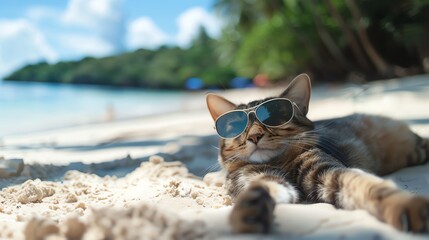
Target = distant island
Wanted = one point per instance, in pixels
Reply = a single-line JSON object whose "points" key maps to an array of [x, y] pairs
{"points": [[164, 68]]}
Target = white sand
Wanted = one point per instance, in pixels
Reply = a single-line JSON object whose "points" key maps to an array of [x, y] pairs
{"points": [[160, 199]]}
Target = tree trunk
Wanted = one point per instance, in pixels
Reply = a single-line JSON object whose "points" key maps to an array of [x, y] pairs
{"points": [[381, 65], [424, 46], [349, 36], [319, 63], [328, 41], [306, 43]]}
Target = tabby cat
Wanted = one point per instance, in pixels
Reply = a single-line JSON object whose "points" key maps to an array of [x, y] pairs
{"points": [[272, 153]]}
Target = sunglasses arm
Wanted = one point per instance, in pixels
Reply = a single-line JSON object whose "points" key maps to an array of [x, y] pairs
{"points": [[293, 103]]}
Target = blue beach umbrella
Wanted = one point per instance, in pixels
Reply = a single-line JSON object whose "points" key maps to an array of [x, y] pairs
{"points": [[240, 82], [194, 83]]}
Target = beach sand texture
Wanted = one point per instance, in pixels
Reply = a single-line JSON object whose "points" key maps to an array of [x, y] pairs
{"points": [[147, 178]]}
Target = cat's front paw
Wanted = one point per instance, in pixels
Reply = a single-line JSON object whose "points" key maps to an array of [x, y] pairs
{"points": [[407, 213], [253, 211]]}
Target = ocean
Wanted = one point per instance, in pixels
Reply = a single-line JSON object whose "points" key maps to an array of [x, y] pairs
{"points": [[28, 107]]}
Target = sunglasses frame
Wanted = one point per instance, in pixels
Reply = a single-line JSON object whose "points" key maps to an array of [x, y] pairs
{"points": [[253, 110]]}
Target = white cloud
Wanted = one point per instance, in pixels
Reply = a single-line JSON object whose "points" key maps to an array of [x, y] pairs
{"points": [[190, 22], [39, 13], [84, 27], [91, 13], [85, 45], [144, 33], [103, 18], [22, 43]]}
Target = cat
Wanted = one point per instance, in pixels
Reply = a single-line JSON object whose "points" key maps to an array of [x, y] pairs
{"points": [[332, 161]]}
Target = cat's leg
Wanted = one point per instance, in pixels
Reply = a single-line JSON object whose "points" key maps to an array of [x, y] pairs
{"points": [[383, 199], [355, 189], [391, 145], [256, 190]]}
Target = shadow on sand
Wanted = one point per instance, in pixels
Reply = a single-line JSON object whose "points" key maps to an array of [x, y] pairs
{"points": [[198, 153]]}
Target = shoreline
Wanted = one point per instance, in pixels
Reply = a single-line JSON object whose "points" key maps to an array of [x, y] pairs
{"points": [[93, 124], [348, 92], [185, 101]]}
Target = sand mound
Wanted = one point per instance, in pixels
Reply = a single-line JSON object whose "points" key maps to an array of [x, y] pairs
{"points": [[86, 206], [143, 221]]}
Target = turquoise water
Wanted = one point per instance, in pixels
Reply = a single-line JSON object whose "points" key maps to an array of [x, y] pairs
{"points": [[27, 107]]}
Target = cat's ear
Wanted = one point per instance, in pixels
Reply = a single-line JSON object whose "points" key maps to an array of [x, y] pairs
{"points": [[299, 91], [218, 105]]}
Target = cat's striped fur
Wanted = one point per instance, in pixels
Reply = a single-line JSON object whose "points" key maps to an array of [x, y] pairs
{"points": [[334, 161]]}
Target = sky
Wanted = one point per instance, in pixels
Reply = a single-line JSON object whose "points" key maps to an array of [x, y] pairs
{"points": [[59, 30]]}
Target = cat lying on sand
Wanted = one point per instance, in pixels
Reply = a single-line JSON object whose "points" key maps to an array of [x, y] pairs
{"points": [[272, 153]]}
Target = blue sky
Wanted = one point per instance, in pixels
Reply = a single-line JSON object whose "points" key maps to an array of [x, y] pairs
{"points": [[55, 30]]}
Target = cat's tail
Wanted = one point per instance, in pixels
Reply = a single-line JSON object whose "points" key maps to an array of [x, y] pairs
{"points": [[420, 154]]}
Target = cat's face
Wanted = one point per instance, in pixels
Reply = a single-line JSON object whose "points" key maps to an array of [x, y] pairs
{"points": [[259, 143]]}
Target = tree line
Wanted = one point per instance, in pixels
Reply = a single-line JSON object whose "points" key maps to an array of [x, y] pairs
{"points": [[331, 39], [166, 67]]}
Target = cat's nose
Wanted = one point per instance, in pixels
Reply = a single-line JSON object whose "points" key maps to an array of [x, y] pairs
{"points": [[255, 137]]}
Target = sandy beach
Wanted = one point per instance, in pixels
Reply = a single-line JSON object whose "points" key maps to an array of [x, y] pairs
{"points": [[156, 177]]}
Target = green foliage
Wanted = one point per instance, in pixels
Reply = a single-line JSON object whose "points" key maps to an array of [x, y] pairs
{"points": [[328, 38], [278, 57]]}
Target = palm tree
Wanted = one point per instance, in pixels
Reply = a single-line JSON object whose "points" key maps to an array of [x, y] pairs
{"points": [[327, 39], [380, 64], [349, 36]]}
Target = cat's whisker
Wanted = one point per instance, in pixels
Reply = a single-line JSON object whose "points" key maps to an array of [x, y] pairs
{"points": [[217, 148], [212, 168], [287, 143], [324, 144], [300, 146], [234, 156], [324, 126], [328, 145]]}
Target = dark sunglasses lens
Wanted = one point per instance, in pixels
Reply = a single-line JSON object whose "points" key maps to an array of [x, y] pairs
{"points": [[231, 124], [275, 112]]}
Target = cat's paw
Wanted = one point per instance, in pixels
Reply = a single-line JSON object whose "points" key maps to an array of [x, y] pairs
{"points": [[407, 213], [253, 211]]}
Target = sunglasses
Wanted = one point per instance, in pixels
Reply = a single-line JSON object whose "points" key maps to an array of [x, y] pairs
{"points": [[272, 113]]}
